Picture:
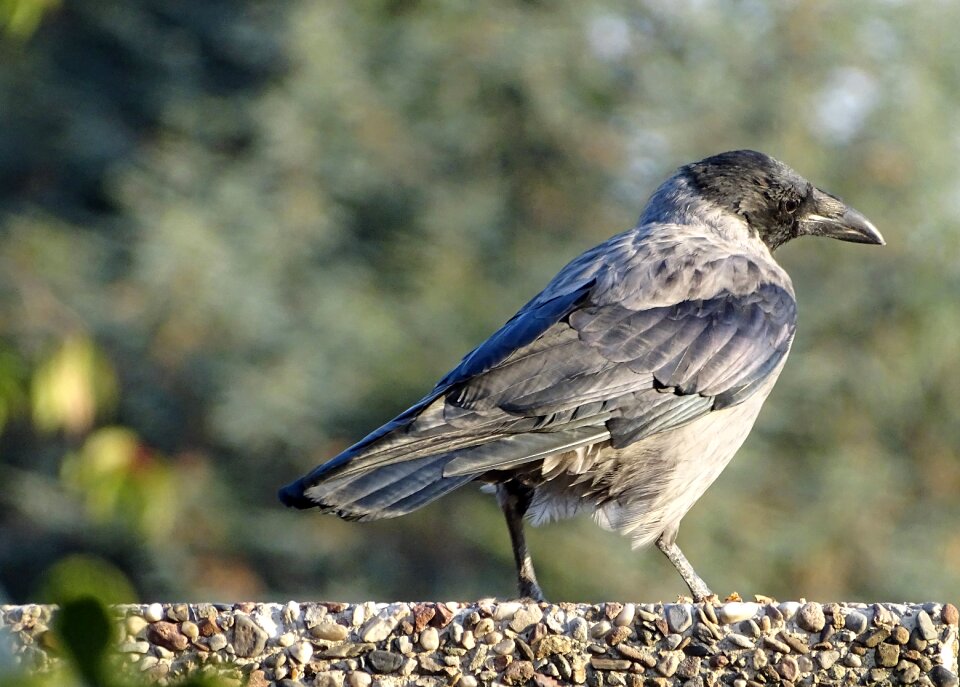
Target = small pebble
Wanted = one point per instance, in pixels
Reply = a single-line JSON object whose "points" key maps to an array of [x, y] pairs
{"points": [[154, 613], [910, 673], [190, 629], [950, 615], [735, 611], [789, 609], [810, 617], [668, 665], [330, 631], [506, 610], [301, 652], [469, 640], [286, 639], [856, 622], [578, 629], [926, 627], [505, 647], [404, 645], [140, 647], [828, 658], [900, 634], [525, 617], [468, 681], [358, 678], [788, 668], [678, 617], [430, 639], [740, 641], [135, 625], [217, 642]]}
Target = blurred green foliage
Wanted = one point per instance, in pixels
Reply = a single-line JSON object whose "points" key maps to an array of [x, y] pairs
{"points": [[235, 236]]}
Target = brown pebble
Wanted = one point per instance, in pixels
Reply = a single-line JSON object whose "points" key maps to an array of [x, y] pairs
{"points": [[167, 635], [887, 655], [612, 609], [900, 635], [871, 638], [689, 667], [617, 635], [208, 627], [599, 663], [258, 679], [422, 614], [776, 645], [950, 614], [798, 644], [443, 616], [710, 613], [788, 668], [518, 672]]}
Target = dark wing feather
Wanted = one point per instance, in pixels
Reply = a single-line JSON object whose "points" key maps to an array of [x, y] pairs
{"points": [[564, 372]]}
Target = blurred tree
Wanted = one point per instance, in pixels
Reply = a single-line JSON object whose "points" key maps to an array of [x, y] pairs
{"points": [[276, 226]]}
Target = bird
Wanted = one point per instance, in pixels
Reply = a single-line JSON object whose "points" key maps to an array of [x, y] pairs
{"points": [[626, 386]]}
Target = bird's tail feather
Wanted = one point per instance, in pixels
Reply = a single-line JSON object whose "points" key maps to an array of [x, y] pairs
{"points": [[397, 488]]}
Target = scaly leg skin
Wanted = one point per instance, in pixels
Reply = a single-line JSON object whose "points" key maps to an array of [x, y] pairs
{"points": [[697, 586], [514, 499]]}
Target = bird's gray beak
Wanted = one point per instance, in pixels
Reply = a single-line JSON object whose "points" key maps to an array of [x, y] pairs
{"points": [[832, 218]]}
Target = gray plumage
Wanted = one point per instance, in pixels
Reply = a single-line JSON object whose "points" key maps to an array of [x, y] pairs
{"points": [[623, 388]]}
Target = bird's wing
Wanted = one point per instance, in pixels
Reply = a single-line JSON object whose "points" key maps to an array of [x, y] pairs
{"points": [[627, 341]]}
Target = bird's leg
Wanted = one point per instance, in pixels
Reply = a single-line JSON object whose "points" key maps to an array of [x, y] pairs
{"points": [[698, 587], [514, 499]]}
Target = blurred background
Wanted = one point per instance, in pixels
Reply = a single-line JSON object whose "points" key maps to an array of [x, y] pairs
{"points": [[236, 235]]}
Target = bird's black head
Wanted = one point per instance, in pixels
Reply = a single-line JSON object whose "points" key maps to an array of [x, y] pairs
{"points": [[776, 202]]}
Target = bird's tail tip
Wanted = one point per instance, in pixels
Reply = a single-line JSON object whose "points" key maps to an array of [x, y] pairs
{"points": [[293, 496]]}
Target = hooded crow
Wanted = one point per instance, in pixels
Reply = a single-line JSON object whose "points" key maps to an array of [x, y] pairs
{"points": [[626, 386]]}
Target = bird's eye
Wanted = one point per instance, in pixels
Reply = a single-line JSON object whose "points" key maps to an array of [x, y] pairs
{"points": [[790, 205]]}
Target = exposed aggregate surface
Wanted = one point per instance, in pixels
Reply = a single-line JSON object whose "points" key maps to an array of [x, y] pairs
{"points": [[332, 644]]}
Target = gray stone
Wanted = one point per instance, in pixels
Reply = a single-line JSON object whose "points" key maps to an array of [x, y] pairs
{"points": [[578, 629], [828, 658], [384, 661], [943, 677], [740, 642], [810, 617], [925, 626], [856, 622], [525, 617], [678, 617], [910, 673], [249, 639], [217, 642], [669, 663]]}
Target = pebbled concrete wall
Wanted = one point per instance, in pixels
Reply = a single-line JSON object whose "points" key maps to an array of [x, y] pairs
{"points": [[742, 644]]}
